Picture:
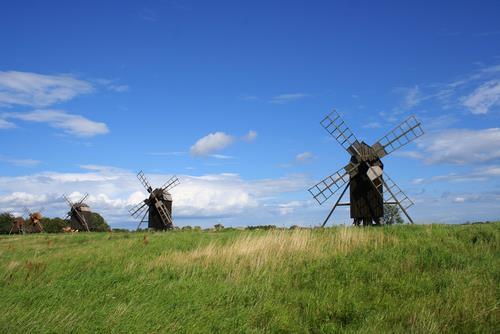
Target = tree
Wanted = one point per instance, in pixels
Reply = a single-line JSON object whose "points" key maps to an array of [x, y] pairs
{"points": [[392, 215], [53, 225], [98, 224], [218, 227], [6, 220]]}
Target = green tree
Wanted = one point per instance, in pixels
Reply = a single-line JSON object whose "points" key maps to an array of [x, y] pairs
{"points": [[6, 220], [98, 224], [392, 215], [53, 225]]}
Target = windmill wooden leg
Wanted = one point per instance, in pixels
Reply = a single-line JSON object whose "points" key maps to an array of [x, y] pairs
{"points": [[336, 203]]}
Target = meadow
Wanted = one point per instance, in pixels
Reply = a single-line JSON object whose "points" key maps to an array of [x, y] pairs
{"points": [[399, 279]]}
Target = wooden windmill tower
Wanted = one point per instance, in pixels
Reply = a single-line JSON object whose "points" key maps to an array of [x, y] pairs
{"points": [[364, 173], [79, 214], [18, 225], [33, 221], [157, 207]]}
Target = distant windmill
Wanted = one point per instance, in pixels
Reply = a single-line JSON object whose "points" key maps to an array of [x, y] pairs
{"points": [[363, 174], [158, 206], [18, 225], [34, 219], [79, 214]]}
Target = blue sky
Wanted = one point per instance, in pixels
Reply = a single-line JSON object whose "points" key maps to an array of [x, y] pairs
{"points": [[229, 95]]}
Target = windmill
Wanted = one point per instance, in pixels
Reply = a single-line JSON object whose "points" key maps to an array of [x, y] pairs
{"points": [[158, 206], [79, 213], [364, 173], [18, 225], [34, 219]]}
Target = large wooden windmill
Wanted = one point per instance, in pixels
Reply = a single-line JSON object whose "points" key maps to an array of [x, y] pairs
{"points": [[157, 207], [79, 214], [364, 173]]}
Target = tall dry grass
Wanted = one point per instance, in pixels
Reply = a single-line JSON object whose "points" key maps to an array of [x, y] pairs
{"points": [[273, 249]]}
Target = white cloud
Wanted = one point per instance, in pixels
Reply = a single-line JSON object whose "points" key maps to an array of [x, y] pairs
{"points": [[211, 143], [73, 124], [113, 191], [483, 98], [304, 157], [286, 98], [460, 146], [32, 89], [250, 136]]}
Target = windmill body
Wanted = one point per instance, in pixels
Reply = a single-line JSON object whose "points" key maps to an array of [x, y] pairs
{"points": [[366, 202], [155, 202], [157, 207], [79, 214], [34, 220], [364, 175]]}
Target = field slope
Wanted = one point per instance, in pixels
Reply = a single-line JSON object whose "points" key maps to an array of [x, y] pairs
{"points": [[422, 279]]}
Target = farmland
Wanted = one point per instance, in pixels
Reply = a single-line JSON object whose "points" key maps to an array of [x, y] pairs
{"points": [[424, 279]]}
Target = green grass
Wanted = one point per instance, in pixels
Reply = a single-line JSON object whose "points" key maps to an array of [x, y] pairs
{"points": [[421, 279]]}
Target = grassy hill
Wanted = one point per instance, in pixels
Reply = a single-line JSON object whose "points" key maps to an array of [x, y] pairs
{"points": [[422, 279]]}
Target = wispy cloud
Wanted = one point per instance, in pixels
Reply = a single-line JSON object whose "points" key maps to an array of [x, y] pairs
{"points": [[72, 124], [458, 146], [286, 98], [175, 153], [250, 136], [483, 98], [6, 124], [32, 89], [304, 157], [478, 174], [20, 162], [372, 125]]}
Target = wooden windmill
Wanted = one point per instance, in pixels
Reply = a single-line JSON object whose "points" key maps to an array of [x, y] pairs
{"points": [[79, 214], [18, 225], [157, 207], [364, 173], [33, 221]]}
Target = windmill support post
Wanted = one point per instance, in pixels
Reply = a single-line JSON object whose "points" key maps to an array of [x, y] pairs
{"points": [[336, 204]]}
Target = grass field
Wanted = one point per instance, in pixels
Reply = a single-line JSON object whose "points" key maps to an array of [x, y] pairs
{"points": [[421, 279]]}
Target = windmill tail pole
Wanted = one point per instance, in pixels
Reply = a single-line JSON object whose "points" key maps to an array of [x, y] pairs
{"points": [[336, 203]]}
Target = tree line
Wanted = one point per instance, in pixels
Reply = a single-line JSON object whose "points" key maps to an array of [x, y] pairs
{"points": [[50, 225]]}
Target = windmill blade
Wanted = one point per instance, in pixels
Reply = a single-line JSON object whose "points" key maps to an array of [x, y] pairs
{"points": [[67, 200], [144, 181], [396, 193], [83, 198], [163, 212], [28, 211], [324, 189], [407, 131], [338, 129], [171, 183], [143, 218], [137, 210]]}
